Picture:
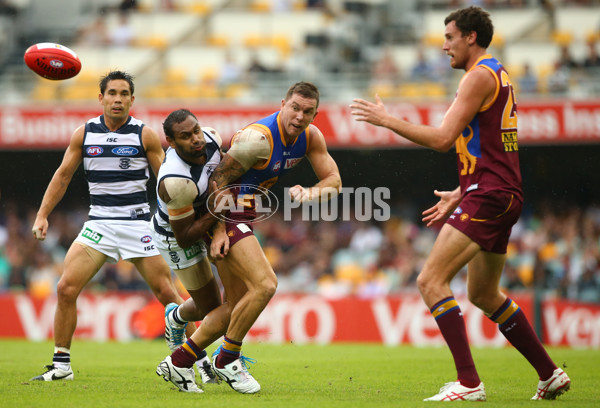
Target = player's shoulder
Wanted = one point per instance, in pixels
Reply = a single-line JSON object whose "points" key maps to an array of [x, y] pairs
{"points": [[212, 132]]}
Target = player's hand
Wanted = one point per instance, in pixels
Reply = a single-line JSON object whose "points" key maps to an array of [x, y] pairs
{"points": [[39, 229], [219, 246], [365, 111], [299, 193], [443, 208]]}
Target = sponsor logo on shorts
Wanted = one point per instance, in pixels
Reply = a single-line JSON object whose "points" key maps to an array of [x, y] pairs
{"points": [[174, 257], [125, 151], [464, 217], [146, 239], [192, 251], [91, 235], [94, 150]]}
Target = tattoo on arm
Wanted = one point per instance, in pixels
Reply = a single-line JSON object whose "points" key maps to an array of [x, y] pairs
{"points": [[227, 171]]}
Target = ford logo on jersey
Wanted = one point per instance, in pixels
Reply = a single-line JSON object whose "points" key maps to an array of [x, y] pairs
{"points": [[94, 150], [125, 151], [146, 238]]}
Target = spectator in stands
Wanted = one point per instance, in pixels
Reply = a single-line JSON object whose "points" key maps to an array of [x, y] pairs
{"points": [[565, 59], [592, 60], [558, 80], [385, 71], [528, 82], [256, 66], [123, 35], [230, 72], [94, 34], [422, 69]]}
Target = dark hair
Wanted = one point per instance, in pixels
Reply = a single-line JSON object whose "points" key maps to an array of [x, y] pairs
{"points": [[306, 89], [113, 75], [473, 19], [174, 117]]}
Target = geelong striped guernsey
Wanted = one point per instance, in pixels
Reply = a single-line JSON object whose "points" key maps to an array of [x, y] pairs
{"points": [[116, 169], [175, 166]]}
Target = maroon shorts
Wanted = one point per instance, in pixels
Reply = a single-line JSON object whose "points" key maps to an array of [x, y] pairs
{"points": [[238, 225], [487, 218]]}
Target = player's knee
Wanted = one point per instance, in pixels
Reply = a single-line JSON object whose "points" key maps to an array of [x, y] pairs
{"points": [[165, 293], [267, 288], [423, 283], [66, 292]]}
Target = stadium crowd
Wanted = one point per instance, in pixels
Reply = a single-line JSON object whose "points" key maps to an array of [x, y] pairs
{"points": [[557, 251]]}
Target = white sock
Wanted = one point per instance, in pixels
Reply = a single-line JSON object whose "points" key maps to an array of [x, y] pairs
{"points": [[178, 316]]}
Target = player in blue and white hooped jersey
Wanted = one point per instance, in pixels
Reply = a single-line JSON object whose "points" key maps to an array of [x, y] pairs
{"points": [[117, 151], [179, 225]]}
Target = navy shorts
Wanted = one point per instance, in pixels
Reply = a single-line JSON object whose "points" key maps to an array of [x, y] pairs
{"points": [[487, 218]]}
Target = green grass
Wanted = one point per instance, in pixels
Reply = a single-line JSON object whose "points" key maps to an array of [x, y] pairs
{"points": [[348, 375]]}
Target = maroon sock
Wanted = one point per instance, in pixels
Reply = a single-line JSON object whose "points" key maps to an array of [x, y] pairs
{"points": [[186, 355], [230, 351], [450, 320], [513, 324]]}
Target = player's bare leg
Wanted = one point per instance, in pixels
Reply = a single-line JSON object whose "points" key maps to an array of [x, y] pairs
{"points": [[81, 264], [246, 262]]}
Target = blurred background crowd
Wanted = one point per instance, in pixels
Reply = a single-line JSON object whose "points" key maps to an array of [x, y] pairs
{"points": [[248, 51], [244, 51], [557, 252]]}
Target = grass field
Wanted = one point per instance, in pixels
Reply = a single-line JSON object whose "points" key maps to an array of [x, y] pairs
{"points": [[348, 375]]}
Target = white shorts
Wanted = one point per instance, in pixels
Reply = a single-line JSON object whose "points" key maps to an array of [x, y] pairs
{"points": [[119, 239], [177, 257]]}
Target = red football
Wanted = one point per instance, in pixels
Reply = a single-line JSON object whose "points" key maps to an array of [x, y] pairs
{"points": [[52, 61]]}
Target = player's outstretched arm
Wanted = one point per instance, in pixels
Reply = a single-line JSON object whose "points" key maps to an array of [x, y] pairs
{"points": [[476, 89], [325, 168], [58, 185]]}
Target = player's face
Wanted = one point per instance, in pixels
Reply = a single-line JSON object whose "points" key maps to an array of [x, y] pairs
{"points": [[117, 100], [296, 114], [456, 46], [188, 140]]}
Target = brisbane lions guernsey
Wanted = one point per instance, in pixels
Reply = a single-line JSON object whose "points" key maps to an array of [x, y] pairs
{"points": [[116, 169], [175, 166], [283, 157], [488, 150]]}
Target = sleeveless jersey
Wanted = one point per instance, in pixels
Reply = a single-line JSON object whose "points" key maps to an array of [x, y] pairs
{"points": [[175, 166], [282, 158], [487, 150], [116, 169]]}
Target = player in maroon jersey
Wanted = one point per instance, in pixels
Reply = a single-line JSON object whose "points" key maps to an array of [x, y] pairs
{"points": [[482, 125]]}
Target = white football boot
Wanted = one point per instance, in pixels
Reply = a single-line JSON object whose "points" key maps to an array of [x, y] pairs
{"points": [[183, 378], [237, 376], [554, 386], [454, 391], [54, 374]]}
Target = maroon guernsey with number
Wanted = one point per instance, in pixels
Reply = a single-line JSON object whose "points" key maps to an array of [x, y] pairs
{"points": [[487, 150]]}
